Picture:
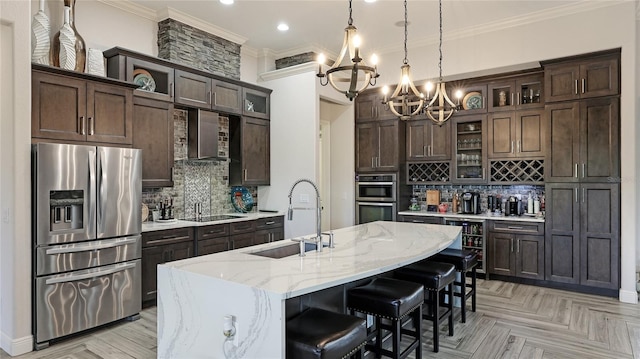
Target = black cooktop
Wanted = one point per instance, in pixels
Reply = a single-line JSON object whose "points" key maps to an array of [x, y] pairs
{"points": [[219, 217]]}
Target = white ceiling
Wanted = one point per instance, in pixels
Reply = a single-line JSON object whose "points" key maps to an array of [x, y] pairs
{"points": [[319, 25]]}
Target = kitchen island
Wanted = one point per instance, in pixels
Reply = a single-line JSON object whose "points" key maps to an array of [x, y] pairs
{"points": [[195, 295]]}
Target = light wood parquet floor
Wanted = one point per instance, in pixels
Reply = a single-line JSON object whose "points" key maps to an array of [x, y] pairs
{"points": [[512, 321]]}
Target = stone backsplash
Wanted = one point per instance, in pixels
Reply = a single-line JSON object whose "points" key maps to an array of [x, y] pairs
{"points": [[197, 181], [193, 47]]}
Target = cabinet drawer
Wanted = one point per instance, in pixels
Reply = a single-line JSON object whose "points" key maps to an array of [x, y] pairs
{"points": [[170, 236], [516, 227], [242, 227], [270, 222], [241, 240], [421, 219], [215, 231], [213, 245]]}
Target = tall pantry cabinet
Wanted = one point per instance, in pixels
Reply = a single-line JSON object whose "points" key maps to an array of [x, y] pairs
{"points": [[582, 179]]}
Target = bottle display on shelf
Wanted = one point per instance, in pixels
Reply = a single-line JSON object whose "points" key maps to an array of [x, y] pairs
{"points": [[473, 237], [469, 150]]}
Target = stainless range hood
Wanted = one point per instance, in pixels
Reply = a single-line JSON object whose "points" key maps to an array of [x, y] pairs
{"points": [[203, 132]]}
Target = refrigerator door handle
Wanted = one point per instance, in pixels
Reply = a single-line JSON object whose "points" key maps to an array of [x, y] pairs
{"points": [[102, 190], [91, 247], [93, 274], [91, 196]]}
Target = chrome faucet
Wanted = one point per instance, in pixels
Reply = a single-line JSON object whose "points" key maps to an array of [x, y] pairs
{"points": [[318, 239]]}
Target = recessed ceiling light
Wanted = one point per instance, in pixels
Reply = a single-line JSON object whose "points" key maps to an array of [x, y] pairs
{"points": [[283, 27], [369, 0], [226, 2]]}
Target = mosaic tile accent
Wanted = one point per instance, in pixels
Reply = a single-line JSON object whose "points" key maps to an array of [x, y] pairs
{"points": [[204, 182]]}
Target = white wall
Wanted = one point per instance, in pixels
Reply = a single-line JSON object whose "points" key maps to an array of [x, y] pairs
{"points": [[15, 139]]}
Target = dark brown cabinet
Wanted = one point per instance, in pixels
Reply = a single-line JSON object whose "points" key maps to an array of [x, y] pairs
{"points": [[212, 239], [153, 134], [522, 92], [369, 107], [195, 90], [75, 108], [584, 141], [427, 141], [249, 151], [160, 247], [470, 144], [578, 79], [516, 249], [516, 134], [420, 219], [256, 103], [155, 80], [379, 145], [269, 230], [582, 241], [242, 234]]}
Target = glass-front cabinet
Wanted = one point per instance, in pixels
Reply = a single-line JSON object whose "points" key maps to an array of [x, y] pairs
{"points": [[518, 93], [473, 237], [470, 149]]}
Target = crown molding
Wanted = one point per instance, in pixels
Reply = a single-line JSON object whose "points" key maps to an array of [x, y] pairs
{"points": [[515, 21], [288, 71], [172, 13]]}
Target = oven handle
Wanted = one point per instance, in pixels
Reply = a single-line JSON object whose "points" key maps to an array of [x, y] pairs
{"points": [[92, 247], [387, 204], [98, 273], [376, 183]]}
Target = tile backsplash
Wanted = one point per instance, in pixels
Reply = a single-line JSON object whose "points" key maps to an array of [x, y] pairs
{"points": [[197, 181]]}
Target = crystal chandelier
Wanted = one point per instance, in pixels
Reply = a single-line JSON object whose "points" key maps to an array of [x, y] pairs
{"points": [[440, 108], [406, 100], [349, 75]]}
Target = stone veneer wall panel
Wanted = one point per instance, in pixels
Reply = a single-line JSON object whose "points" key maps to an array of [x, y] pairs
{"points": [[192, 47]]}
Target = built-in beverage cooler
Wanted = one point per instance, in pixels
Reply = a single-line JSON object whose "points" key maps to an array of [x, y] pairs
{"points": [[473, 237]]}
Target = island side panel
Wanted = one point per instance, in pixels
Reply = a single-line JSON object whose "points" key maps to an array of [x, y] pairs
{"points": [[191, 311]]}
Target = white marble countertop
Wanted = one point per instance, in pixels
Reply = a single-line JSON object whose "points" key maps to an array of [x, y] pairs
{"points": [[159, 226], [523, 218], [360, 251]]}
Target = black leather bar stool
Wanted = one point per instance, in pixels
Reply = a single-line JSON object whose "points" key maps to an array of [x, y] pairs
{"points": [[321, 334], [464, 260], [390, 300], [435, 277]]}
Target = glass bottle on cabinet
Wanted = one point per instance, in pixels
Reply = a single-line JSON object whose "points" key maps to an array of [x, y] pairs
{"points": [[470, 149]]}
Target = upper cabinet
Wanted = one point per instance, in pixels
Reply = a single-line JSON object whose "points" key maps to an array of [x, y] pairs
{"points": [[256, 103], [427, 141], [470, 137], [517, 93], [516, 134], [369, 107], [70, 106], [249, 151], [154, 80], [194, 90], [379, 146], [472, 99], [572, 80]]}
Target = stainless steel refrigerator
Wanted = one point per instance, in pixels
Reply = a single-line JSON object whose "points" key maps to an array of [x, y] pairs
{"points": [[86, 237]]}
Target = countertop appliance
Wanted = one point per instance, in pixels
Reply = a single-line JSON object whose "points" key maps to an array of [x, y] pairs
{"points": [[376, 197], [471, 203], [514, 207], [86, 221]]}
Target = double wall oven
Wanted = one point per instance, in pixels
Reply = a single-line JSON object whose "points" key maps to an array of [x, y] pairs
{"points": [[376, 197]]}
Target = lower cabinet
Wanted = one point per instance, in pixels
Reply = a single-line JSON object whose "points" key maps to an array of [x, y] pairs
{"points": [[212, 239], [241, 234], [269, 230], [582, 240], [516, 249], [160, 247]]}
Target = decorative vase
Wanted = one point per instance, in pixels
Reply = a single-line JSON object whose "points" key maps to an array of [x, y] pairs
{"points": [[66, 41], [95, 62], [40, 42], [78, 44]]}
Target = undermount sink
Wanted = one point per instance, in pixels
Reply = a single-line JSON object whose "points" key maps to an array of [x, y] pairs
{"points": [[286, 251]]}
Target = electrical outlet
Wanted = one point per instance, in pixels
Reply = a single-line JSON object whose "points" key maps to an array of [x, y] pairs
{"points": [[5, 215], [304, 198]]}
